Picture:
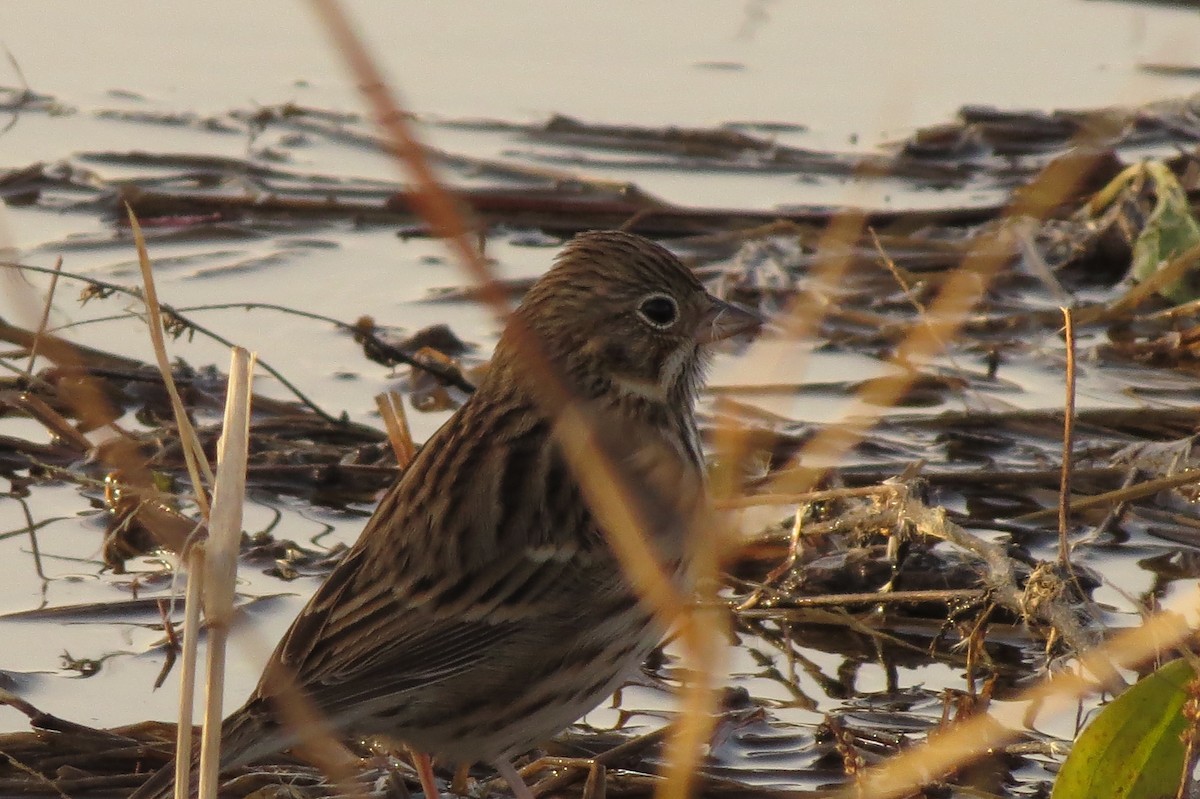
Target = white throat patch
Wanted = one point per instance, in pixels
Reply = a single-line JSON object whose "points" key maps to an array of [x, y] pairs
{"points": [[660, 391]]}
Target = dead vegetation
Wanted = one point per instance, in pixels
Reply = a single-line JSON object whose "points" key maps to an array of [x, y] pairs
{"points": [[931, 540]]}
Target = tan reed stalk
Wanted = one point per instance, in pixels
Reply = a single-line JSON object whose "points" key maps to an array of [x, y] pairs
{"points": [[391, 410], [45, 317], [800, 321], [1068, 445], [187, 671], [193, 556], [905, 774], [1129, 493], [607, 487], [959, 293], [193, 453], [220, 557], [445, 216]]}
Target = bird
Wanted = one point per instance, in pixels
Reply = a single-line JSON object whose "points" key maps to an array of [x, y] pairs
{"points": [[483, 609]]}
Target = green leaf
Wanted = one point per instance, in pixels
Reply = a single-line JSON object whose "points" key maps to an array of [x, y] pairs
{"points": [[1132, 749], [1170, 230]]}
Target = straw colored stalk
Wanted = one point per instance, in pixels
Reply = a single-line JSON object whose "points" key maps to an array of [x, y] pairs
{"points": [[193, 453], [391, 410], [187, 671], [906, 773], [220, 557], [608, 487], [199, 472]]}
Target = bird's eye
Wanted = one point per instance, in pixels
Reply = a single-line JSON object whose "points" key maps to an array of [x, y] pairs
{"points": [[659, 310]]}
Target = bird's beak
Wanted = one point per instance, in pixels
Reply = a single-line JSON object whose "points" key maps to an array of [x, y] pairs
{"points": [[723, 320]]}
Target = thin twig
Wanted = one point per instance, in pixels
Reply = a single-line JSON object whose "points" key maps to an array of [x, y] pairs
{"points": [[1135, 491], [1116, 511], [946, 595], [193, 453], [191, 325], [444, 373], [41, 328], [784, 566], [33, 546], [917, 305], [1068, 445], [26, 93]]}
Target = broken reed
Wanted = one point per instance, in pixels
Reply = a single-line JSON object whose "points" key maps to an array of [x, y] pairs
{"points": [[212, 562]]}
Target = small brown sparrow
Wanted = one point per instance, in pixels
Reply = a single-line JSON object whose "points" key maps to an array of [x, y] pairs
{"points": [[482, 610]]}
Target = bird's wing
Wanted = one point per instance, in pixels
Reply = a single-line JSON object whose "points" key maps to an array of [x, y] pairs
{"points": [[486, 535], [363, 638], [445, 569]]}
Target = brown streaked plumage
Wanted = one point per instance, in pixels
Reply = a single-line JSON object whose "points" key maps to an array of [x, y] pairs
{"points": [[481, 611]]}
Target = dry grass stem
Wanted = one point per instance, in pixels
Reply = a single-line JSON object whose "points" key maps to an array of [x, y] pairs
{"points": [[785, 566], [1068, 453], [575, 429], [391, 410], [437, 205], [197, 464], [221, 556], [1138, 490], [44, 319], [187, 671], [963, 742], [907, 288], [800, 321], [864, 598], [808, 497], [49, 418], [318, 740], [621, 513], [608, 489], [201, 475]]}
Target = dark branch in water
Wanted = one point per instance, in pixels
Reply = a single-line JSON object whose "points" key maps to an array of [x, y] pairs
{"points": [[371, 342]]}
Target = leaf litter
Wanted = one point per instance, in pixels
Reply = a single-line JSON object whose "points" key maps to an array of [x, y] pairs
{"points": [[933, 545]]}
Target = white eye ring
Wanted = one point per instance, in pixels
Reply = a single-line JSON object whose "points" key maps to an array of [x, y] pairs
{"points": [[660, 311]]}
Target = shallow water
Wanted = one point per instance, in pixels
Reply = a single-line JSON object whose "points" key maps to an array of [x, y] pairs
{"points": [[855, 76]]}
